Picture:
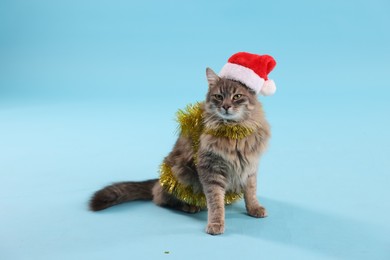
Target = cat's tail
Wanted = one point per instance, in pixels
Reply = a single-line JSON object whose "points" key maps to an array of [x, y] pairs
{"points": [[121, 192]]}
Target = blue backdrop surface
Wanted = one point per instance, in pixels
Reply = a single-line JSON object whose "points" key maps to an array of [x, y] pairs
{"points": [[88, 94]]}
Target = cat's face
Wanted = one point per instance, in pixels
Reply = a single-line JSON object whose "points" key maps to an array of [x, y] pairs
{"points": [[229, 100]]}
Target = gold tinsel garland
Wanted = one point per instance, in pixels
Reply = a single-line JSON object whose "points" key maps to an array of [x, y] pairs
{"points": [[191, 126], [235, 132]]}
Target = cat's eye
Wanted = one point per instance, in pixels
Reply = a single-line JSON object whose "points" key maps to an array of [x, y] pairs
{"points": [[237, 96], [218, 97]]}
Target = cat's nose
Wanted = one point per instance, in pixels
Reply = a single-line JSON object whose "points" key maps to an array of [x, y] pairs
{"points": [[226, 107]]}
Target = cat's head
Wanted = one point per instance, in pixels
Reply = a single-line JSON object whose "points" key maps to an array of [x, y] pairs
{"points": [[229, 100]]}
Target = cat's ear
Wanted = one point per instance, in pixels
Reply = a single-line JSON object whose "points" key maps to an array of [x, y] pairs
{"points": [[212, 78]]}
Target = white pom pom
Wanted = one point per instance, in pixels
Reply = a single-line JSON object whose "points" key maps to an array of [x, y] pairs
{"points": [[268, 88]]}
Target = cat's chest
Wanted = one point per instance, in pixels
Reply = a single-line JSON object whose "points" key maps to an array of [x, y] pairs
{"points": [[240, 150], [241, 157]]}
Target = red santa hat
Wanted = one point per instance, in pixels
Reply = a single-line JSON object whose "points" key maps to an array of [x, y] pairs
{"points": [[251, 70]]}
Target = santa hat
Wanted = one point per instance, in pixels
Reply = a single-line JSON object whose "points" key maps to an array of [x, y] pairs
{"points": [[252, 71]]}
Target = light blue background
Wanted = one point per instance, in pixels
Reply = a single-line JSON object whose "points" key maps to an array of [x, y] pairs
{"points": [[88, 93]]}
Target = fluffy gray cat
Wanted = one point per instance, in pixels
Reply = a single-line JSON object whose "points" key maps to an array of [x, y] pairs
{"points": [[211, 169]]}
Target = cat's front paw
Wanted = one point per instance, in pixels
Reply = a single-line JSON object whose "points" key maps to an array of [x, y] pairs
{"points": [[215, 228], [257, 212]]}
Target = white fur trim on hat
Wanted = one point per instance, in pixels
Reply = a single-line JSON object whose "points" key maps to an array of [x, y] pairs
{"points": [[268, 88], [243, 75]]}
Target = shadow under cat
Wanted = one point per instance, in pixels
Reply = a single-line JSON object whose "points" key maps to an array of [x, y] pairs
{"points": [[296, 226], [320, 232]]}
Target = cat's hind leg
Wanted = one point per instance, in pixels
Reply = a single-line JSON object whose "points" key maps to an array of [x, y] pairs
{"points": [[164, 199]]}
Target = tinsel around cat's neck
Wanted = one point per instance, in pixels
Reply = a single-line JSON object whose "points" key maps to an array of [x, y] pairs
{"points": [[192, 123]]}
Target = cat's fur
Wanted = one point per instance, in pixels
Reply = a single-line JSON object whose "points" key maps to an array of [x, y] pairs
{"points": [[223, 164]]}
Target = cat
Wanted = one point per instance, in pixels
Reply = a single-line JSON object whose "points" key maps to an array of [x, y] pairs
{"points": [[215, 167]]}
